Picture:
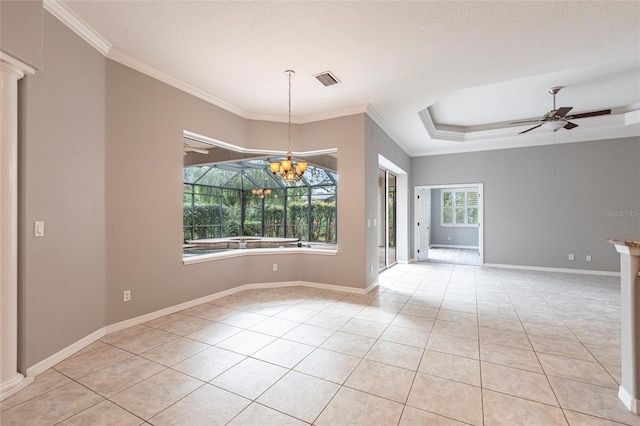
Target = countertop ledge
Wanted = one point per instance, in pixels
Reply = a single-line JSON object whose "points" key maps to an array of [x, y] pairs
{"points": [[628, 243]]}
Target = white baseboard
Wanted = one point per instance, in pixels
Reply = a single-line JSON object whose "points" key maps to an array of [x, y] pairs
{"points": [[186, 305], [630, 402], [371, 287], [547, 269], [453, 246], [65, 353], [98, 334], [13, 385], [112, 328]]}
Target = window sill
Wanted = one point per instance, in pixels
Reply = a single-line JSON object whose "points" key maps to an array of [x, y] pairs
{"points": [[191, 260]]}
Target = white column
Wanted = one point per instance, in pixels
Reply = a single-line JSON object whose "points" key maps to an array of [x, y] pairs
{"points": [[10, 379], [629, 391]]}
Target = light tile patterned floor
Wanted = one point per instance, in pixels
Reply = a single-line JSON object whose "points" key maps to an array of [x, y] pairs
{"points": [[434, 344]]}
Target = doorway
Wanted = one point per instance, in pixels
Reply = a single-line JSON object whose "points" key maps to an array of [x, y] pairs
{"points": [[387, 185], [449, 224]]}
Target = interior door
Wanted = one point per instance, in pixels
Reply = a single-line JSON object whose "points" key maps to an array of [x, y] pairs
{"points": [[424, 223]]}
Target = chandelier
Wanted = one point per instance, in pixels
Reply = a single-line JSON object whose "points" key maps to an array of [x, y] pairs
{"points": [[286, 170], [261, 192]]}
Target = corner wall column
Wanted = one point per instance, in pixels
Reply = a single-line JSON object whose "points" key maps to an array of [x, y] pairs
{"points": [[629, 391], [10, 378]]}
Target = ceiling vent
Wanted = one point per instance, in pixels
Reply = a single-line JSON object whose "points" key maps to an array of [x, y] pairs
{"points": [[327, 78]]}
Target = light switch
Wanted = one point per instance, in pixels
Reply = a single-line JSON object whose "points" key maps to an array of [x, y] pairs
{"points": [[375, 222], [368, 223], [38, 229]]}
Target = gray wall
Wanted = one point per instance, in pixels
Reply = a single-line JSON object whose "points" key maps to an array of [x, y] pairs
{"points": [[21, 30], [377, 142], [449, 235], [144, 192], [541, 203], [62, 182], [101, 164]]}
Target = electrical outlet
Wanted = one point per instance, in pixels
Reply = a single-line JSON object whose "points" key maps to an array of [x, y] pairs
{"points": [[371, 269], [571, 256], [588, 258], [126, 296], [275, 267]]}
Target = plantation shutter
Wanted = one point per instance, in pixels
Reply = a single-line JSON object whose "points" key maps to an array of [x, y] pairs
{"points": [[460, 207], [472, 208], [447, 208]]}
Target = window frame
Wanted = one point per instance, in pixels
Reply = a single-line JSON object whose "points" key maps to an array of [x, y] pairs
{"points": [[455, 223]]}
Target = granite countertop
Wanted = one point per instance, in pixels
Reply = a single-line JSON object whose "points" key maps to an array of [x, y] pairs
{"points": [[628, 243]]}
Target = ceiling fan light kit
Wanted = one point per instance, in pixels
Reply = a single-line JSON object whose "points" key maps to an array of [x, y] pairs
{"points": [[557, 118], [554, 126]]}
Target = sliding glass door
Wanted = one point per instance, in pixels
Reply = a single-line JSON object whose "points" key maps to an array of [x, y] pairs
{"points": [[386, 219]]}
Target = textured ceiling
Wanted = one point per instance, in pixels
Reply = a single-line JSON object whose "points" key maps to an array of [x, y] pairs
{"points": [[397, 57]]}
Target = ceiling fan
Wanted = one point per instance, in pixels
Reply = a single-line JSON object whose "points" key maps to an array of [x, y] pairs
{"points": [[557, 118], [186, 148]]}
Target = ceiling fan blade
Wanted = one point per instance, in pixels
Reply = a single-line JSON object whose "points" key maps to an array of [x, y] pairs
{"points": [[530, 129], [562, 111], [525, 122], [570, 125], [589, 114]]}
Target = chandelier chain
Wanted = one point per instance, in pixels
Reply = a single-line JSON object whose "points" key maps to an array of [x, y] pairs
{"points": [[289, 111], [286, 170]]}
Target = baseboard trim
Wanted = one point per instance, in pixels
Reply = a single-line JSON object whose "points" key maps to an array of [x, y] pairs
{"points": [[13, 385], [547, 269], [453, 246], [630, 402], [65, 353], [371, 287]]}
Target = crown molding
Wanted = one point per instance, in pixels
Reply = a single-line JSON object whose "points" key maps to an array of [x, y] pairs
{"points": [[360, 109], [377, 118], [435, 133], [77, 25], [609, 127], [65, 15], [132, 62], [303, 119], [512, 140], [613, 126]]}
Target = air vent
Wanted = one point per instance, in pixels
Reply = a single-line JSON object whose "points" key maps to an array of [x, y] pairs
{"points": [[327, 79]]}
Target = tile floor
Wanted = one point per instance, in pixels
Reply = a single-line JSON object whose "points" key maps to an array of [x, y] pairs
{"points": [[453, 255], [435, 344]]}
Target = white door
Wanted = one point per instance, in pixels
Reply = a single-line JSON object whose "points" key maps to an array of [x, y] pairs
{"points": [[424, 223]]}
